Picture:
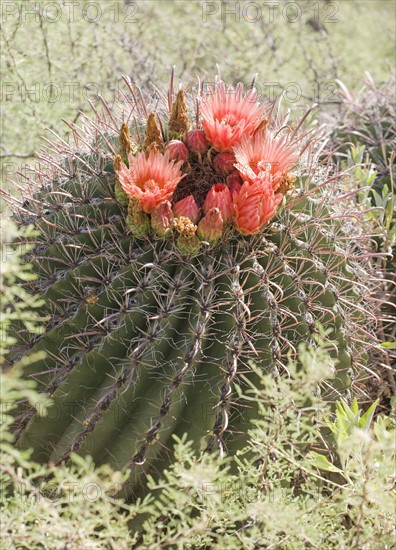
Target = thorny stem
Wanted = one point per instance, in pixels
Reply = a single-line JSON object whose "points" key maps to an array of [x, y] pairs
{"points": [[204, 316]]}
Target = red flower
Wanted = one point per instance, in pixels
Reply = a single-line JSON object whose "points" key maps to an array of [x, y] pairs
{"points": [[262, 153], [227, 115], [255, 205], [220, 197], [152, 179]]}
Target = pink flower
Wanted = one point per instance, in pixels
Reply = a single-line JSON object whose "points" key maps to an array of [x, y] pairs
{"points": [[211, 226], [220, 197], [262, 153], [196, 141], [255, 205], [187, 208], [177, 150], [224, 162], [152, 179], [227, 115]]}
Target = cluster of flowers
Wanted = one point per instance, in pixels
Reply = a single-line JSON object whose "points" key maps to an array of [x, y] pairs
{"points": [[250, 163]]}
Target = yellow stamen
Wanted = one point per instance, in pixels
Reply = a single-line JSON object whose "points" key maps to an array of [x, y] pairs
{"points": [[286, 184]]}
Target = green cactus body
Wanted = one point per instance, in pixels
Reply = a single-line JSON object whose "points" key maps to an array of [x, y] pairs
{"points": [[144, 341]]}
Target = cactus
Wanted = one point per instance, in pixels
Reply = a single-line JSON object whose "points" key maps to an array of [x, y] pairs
{"points": [[149, 332], [368, 118]]}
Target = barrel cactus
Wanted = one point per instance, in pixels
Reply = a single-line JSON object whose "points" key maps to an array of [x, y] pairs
{"points": [[368, 118], [179, 239]]}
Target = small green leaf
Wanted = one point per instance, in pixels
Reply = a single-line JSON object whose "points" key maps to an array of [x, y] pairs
{"points": [[346, 411], [321, 462], [388, 345], [366, 419]]}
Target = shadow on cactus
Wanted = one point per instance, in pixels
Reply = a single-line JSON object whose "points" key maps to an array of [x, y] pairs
{"points": [[202, 235]]}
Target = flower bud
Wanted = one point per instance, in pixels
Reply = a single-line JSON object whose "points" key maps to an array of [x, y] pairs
{"points": [[162, 219], [220, 197], [196, 141], [255, 205], [187, 208], [177, 150], [125, 142], [210, 228], [224, 163], [234, 182], [179, 121], [235, 190], [153, 140]]}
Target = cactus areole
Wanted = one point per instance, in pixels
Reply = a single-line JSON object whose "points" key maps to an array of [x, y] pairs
{"points": [[179, 241]]}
